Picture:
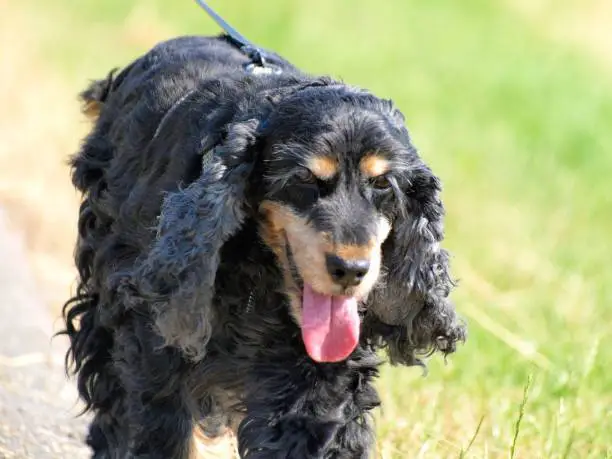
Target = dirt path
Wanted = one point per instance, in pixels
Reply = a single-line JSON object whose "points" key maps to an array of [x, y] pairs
{"points": [[37, 404]]}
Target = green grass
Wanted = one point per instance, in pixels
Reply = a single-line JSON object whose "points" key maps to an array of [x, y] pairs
{"points": [[519, 128]]}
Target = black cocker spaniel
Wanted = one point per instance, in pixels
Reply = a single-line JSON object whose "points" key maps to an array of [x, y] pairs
{"points": [[247, 242]]}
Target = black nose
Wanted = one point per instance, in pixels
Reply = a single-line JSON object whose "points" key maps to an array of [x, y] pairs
{"points": [[346, 272]]}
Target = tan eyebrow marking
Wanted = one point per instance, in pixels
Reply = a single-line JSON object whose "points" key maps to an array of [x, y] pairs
{"points": [[323, 167], [374, 165]]}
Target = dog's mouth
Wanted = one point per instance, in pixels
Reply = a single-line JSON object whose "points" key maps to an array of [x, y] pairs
{"points": [[330, 323]]}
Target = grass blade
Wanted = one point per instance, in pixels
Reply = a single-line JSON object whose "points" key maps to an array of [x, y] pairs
{"points": [[517, 426], [463, 453]]}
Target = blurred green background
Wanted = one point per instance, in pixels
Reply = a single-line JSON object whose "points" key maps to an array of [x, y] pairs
{"points": [[509, 101]]}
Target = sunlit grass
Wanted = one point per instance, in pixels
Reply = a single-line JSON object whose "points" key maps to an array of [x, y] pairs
{"points": [[515, 121]]}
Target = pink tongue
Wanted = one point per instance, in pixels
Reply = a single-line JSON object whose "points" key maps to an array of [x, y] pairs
{"points": [[330, 325]]}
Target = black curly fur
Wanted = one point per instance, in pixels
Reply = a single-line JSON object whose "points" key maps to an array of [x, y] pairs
{"points": [[181, 315]]}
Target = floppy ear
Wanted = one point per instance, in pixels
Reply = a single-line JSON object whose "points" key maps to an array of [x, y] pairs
{"points": [[177, 277], [411, 314]]}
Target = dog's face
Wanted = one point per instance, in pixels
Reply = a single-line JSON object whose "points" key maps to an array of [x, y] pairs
{"points": [[351, 212], [338, 175]]}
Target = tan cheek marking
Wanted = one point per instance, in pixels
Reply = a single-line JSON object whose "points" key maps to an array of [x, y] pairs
{"points": [[307, 245], [373, 166], [271, 230], [271, 227], [323, 167], [309, 248]]}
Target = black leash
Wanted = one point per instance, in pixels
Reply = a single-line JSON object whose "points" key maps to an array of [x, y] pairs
{"points": [[260, 60]]}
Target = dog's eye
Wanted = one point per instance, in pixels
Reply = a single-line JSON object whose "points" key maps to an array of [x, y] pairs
{"points": [[304, 175], [380, 182]]}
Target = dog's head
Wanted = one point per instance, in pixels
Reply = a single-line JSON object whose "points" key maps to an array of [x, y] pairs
{"points": [[352, 214], [348, 207]]}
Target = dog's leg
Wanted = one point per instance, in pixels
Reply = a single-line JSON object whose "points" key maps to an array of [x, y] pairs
{"points": [[158, 418]]}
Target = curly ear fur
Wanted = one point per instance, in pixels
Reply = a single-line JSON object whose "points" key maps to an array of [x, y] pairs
{"points": [[177, 277], [412, 314]]}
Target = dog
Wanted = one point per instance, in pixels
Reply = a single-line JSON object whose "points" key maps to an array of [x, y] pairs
{"points": [[251, 245]]}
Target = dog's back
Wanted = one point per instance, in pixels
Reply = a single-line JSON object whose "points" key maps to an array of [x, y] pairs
{"points": [[196, 58]]}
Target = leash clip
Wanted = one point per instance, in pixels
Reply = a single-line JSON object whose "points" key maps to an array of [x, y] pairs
{"points": [[259, 65], [257, 69]]}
